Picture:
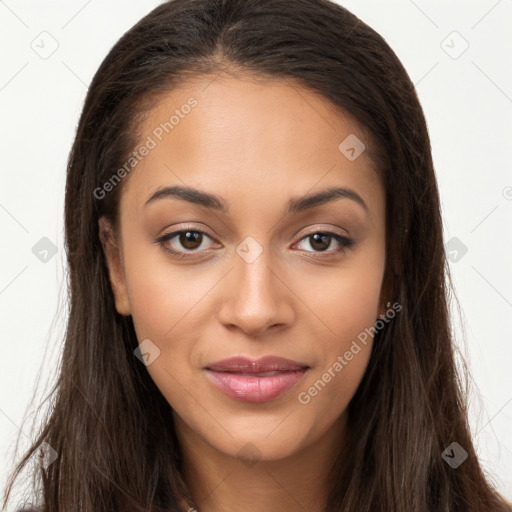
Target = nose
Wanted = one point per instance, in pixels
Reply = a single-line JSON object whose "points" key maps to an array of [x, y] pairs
{"points": [[256, 297]]}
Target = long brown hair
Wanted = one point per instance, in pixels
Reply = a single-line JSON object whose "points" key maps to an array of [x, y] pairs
{"points": [[110, 426]]}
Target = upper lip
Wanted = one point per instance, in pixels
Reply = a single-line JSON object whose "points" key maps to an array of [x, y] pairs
{"points": [[264, 364]]}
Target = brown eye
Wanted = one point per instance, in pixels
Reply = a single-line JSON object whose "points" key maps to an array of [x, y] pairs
{"points": [[183, 242], [190, 240], [321, 240]]}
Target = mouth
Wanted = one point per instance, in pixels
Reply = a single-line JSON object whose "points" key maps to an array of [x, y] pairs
{"points": [[255, 381]]}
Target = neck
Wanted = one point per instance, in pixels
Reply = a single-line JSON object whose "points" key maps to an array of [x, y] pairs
{"points": [[219, 482]]}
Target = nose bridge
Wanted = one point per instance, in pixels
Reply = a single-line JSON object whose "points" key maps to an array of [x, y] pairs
{"points": [[255, 299]]}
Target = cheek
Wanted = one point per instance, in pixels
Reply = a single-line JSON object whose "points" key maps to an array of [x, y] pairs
{"points": [[344, 310], [164, 297], [344, 304], [328, 392], [344, 344], [168, 305]]}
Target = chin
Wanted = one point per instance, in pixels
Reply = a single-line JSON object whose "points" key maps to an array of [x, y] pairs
{"points": [[258, 439]]}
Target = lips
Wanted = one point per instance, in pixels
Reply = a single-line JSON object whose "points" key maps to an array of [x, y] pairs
{"points": [[263, 365], [259, 380]]}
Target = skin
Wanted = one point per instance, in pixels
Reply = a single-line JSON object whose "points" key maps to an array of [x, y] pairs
{"points": [[256, 145]]}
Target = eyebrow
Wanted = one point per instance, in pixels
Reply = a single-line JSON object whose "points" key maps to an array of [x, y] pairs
{"points": [[298, 204]]}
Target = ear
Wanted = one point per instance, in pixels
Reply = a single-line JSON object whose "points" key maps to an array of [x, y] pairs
{"points": [[114, 259]]}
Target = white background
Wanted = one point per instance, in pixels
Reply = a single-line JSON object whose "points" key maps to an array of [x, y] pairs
{"points": [[468, 105]]}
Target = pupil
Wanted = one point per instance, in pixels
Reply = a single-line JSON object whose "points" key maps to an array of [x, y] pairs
{"points": [[323, 246], [189, 239]]}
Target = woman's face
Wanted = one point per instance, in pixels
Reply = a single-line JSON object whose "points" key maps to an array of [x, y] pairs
{"points": [[260, 272]]}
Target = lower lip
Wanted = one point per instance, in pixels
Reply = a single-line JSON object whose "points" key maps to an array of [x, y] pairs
{"points": [[255, 389]]}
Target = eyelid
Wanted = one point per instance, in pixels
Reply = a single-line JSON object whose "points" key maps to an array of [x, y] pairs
{"points": [[326, 228], [182, 228]]}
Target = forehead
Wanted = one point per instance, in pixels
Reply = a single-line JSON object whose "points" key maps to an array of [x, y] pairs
{"points": [[233, 135]]}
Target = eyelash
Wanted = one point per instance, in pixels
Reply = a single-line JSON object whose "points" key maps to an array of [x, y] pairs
{"points": [[344, 242]]}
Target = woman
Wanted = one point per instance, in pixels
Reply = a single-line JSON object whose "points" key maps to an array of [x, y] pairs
{"points": [[258, 281]]}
